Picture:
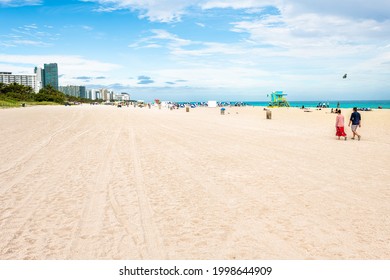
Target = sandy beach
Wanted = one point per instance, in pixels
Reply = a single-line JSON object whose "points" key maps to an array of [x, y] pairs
{"points": [[101, 182]]}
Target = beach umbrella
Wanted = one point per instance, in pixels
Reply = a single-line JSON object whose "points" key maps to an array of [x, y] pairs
{"points": [[345, 76]]}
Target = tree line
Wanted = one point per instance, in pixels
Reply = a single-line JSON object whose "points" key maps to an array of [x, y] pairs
{"points": [[21, 93]]}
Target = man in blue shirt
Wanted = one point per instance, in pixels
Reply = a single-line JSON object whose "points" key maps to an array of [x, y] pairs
{"points": [[356, 121]]}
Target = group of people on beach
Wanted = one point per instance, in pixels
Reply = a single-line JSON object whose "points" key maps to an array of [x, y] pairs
{"points": [[354, 123]]}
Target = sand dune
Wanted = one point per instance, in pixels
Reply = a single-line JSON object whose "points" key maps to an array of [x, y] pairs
{"points": [[100, 182]]}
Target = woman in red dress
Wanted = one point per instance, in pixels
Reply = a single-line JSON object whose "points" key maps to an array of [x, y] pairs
{"points": [[340, 126]]}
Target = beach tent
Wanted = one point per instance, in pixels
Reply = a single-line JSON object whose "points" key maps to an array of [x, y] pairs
{"points": [[212, 104]]}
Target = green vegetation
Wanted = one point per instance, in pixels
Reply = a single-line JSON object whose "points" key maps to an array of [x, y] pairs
{"points": [[9, 103], [48, 93], [16, 92], [13, 95]]}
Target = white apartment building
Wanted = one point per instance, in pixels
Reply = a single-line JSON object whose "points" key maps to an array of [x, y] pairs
{"points": [[122, 97], [106, 94], [77, 91], [39, 73], [94, 94], [25, 80]]}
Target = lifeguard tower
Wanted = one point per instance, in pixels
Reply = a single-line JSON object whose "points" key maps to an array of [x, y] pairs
{"points": [[278, 99]]}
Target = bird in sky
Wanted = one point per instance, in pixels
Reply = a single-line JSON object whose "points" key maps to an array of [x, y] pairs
{"points": [[345, 76]]}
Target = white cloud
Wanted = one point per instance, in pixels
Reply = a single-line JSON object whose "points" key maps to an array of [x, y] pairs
{"points": [[172, 41], [16, 42], [243, 4], [154, 10], [165, 35], [69, 66], [307, 36], [28, 35], [87, 27], [215, 77], [375, 9], [173, 10], [212, 49], [281, 53], [19, 3], [310, 35], [31, 26], [153, 46]]}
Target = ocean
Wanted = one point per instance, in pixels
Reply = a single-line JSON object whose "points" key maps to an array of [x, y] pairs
{"points": [[373, 104], [369, 104]]}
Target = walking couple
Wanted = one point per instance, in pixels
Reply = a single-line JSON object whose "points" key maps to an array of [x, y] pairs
{"points": [[355, 120]]}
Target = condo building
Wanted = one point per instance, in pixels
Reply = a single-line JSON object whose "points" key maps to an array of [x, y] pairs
{"points": [[51, 75], [40, 78], [25, 80], [77, 91], [122, 97]]}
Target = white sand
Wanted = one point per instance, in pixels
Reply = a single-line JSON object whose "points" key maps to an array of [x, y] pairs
{"points": [[97, 182]]}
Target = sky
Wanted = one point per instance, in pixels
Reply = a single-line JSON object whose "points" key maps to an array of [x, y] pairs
{"points": [[199, 50]]}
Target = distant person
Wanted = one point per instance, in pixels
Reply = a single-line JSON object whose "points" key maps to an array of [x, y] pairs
{"points": [[355, 119], [340, 125], [223, 111]]}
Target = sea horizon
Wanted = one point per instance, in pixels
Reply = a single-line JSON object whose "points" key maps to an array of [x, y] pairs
{"points": [[371, 104]]}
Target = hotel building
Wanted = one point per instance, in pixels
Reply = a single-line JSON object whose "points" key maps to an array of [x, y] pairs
{"points": [[51, 75], [77, 91], [25, 80]]}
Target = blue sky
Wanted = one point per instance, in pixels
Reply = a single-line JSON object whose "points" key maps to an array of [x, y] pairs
{"points": [[205, 49]]}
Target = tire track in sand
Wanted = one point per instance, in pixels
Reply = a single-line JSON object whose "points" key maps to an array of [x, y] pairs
{"points": [[152, 239], [124, 212], [87, 233]]}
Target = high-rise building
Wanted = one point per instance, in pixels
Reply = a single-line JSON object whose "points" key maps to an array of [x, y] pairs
{"points": [[93, 94], [77, 91], [40, 78], [122, 97], [51, 75], [106, 94], [97, 94], [83, 92], [25, 80]]}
